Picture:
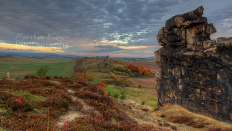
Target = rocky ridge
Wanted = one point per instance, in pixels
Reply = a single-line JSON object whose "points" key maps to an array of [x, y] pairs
{"points": [[196, 72]]}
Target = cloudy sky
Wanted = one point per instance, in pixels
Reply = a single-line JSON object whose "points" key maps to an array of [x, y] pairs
{"points": [[98, 27]]}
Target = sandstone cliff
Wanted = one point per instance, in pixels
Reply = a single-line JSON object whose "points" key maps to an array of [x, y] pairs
{"points": [[196, 72]]}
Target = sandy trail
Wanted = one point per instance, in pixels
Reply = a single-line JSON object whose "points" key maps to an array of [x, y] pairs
{"points": [[71, 114]]}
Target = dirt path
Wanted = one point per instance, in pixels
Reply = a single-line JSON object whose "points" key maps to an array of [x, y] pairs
{"points": [[134, 110], [71, 114], [77, 67]]}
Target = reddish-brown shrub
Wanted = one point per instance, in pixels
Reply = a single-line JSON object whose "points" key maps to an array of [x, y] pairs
{"points": [[145, 109], [215, 129], [83, 82], [156, 109], [180, 119], [19, 104], [227, 129], [18, 121], [36, 91], [219, 129], [199, 125], [162, 116], [46, 78], [191, 123], [87, 95], [166, 124], [56, 77], [174, 128], [107, 100], [30, 77], [92, 88], [60, 87], [68, 80], [78, 105]]}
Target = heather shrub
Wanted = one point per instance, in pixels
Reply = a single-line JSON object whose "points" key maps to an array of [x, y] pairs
{"points": [[67, 80], [92, 88], [46, 78], [36, 91], [107, 100], [87, 95], [18, 121], [19, 104], [83, 82], [30, 77], [180, 119], [56, 77], [78, 105]]}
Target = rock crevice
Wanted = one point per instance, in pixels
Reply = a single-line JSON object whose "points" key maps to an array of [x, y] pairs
{"points": [[196, 72]]}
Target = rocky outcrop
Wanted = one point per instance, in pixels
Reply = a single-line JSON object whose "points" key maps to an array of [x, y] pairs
{"points": [[196, 72]]}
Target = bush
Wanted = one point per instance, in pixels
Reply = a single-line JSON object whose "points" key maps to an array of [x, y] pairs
{"points": [[140, 70], [41, 71], [83, 75], [109, 94], [30, 77], [102, 86], [46, 78], [56, 77], [143, 102], [116, 95], [19, 104], [78, 105], [123, 95]]}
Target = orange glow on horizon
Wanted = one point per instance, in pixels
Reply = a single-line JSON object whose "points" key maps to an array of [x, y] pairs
{"points": [[6, 46]]}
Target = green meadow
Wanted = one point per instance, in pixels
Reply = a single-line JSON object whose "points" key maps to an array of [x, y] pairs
{"points": [[132, 93], [29, 65]]}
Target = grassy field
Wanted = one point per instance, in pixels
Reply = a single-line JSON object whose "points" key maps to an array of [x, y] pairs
{"points": [[97, 67], [27, 65], [132, 93]]}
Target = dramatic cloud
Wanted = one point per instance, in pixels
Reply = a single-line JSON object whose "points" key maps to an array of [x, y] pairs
{"points": [[101, 26]]}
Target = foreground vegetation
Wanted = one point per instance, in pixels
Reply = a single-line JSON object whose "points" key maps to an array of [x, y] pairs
{"points": [[37, 104], [96, 97]]}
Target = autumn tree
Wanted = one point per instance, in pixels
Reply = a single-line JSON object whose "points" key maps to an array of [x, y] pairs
{"points": [[140, 70]]}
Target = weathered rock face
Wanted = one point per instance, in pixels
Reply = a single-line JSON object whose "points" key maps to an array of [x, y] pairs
{"points": [[196, 72]]}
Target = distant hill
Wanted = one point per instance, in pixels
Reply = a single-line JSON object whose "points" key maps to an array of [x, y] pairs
{"points": [[36, 54], [60, 55]]}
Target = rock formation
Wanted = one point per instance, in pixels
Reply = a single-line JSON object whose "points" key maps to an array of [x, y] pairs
{"points": [[196, 72]]}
